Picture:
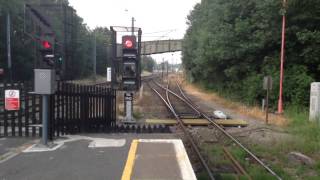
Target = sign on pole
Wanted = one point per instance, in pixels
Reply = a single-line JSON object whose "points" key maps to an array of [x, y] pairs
{"points": [[12, 100], [109, 74], [267, 83]]}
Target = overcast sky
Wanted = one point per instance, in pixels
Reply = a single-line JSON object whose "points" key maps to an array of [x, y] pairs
{"points": [[158, 19]]}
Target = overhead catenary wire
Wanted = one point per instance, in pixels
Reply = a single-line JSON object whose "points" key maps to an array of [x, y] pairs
{"points": [[156, 32], [165, 35]]}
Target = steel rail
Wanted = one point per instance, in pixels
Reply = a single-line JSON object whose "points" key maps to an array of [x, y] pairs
{"points": [[179, 97], [168, 100], [184, 129], [238, 167], [238, 143], [183, 94]]}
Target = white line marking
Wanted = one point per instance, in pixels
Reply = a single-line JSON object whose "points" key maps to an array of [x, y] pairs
{"points": [[184, 162], [185, 166], [7, 156], [16, 151], [35, 148], [95, 143], [100, 142]]}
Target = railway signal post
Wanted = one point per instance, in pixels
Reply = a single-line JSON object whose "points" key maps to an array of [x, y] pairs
{"points": [[130, 73], [45, 79], [126, 68]]}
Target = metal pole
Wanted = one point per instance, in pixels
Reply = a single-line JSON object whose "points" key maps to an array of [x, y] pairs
{"points": [[9, 46], [94, 55], [45, 102], [172, 62], [280, 105], [267, 104], [113, 57], [65, 63], [139, 56], [132, 30], [167, 69], [162, 67]]}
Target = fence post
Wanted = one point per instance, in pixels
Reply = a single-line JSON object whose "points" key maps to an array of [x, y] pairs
{"points": [[87, 108], [114, 104], [5, 123], [20, 87], [57, 107], [26, 109]]}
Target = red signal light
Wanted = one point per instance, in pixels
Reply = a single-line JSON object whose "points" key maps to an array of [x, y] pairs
{"points": [[46, 44], [128, 43]]}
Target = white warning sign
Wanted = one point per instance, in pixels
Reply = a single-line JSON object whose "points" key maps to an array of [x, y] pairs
{"points": [[12, 100]]}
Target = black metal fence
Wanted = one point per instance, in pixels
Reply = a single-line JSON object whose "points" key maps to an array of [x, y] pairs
{"points": [[72, 109], [78, 108], [27, 120]]}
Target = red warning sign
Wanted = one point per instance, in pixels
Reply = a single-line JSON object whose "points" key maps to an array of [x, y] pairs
{"points": [[12, 100]]}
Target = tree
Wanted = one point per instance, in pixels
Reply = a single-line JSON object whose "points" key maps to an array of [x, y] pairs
{"points": [[102, 43], [231, 44], [147, 63], [25, 55]]}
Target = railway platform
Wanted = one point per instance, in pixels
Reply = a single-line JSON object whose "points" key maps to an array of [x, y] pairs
{"points": [[98, 156], [158, 159]]}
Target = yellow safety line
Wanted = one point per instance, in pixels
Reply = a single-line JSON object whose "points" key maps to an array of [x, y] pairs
{"points": [[126, 175]]}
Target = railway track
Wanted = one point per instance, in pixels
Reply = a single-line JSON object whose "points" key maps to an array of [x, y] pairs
{"points": [[144, 78], [174, 101], [165, 98]]}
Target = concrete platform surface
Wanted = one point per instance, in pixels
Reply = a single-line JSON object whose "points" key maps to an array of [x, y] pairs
{"points": [[96, 157], [158, 159]]}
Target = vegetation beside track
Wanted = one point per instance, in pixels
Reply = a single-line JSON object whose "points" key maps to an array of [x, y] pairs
{"points": [[231, 45], [23, 47], [304, 138]]}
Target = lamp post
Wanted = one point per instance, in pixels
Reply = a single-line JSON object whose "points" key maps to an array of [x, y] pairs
{"points": [[9, 46], [172, 64], [132, 25], [132, 22], [280, 104], [94, 54]]}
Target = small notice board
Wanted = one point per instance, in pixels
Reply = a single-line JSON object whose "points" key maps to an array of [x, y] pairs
{"points": [[12, 100]]}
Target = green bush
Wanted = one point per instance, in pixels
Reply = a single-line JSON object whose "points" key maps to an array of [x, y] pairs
{"points": [[231, 45]]}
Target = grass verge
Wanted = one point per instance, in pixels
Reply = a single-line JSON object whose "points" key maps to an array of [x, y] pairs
{"points": [[304, 138]]}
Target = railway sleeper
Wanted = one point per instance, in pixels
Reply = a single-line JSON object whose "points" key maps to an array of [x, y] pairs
{"points": [[189, 116]]}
